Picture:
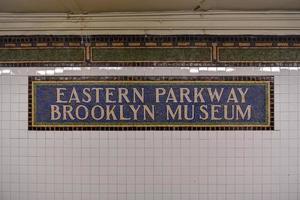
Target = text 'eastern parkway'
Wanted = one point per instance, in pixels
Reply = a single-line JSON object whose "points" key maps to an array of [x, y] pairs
{"points": [[138, 104]]}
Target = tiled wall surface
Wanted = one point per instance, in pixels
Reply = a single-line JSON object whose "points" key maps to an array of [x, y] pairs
{"points": [[149, 165]]}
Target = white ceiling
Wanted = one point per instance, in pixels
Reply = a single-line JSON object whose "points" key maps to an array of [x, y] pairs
{"points": [[98, 6]]}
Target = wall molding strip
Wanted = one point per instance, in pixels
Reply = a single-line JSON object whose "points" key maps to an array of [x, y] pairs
{"points": [[159, 23]]}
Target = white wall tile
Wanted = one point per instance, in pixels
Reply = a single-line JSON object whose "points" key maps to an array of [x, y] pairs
{"points": [[235, 165]]}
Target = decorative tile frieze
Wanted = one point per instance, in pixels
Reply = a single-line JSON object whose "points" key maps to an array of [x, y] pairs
{"points": [[149, 50]]}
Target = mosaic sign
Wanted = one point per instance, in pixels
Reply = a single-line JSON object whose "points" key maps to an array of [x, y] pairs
{"points": [[151, 103]]}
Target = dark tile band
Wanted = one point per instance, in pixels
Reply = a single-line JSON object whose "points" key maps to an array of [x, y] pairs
{"points": [[149, 50]]}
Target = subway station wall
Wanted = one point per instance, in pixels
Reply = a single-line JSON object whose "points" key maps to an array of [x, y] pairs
{"points": [[149, 165]]}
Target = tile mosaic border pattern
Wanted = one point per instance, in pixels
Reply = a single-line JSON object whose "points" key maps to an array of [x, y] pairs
{"points": [[270, 79], [149, 50]]}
